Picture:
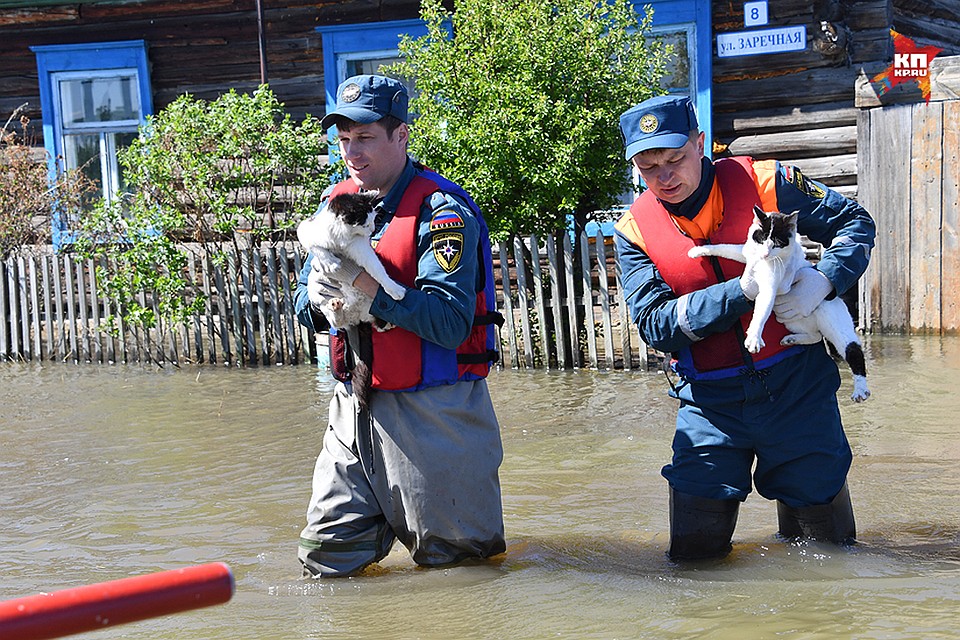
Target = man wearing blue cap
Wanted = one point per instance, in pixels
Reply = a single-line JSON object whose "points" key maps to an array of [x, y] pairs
{"points": [[420, 462], [778, 407]]}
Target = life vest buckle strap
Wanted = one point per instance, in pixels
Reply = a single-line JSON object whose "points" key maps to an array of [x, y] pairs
{"points": [[490, 355], [491, 317]]}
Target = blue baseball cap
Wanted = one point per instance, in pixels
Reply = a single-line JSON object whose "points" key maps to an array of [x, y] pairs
{"points": [[366, 98], [664, 122]]}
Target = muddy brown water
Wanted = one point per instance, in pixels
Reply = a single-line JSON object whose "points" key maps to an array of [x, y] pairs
{"points": [[115, 471]]}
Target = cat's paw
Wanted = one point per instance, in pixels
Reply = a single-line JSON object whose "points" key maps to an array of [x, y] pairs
{"points": [[794, 339], [753, 343], [382, 325], [697, 252], [395, 291], [860, 390]]}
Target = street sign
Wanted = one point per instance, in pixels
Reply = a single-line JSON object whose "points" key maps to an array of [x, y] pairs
{"points": [[749, 43]]}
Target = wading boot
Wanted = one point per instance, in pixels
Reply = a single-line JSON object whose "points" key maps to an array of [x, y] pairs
{"points": [[831, 522], [700, 528]]}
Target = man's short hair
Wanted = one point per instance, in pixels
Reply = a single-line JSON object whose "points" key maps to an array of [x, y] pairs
{"points": [[390, 123]]}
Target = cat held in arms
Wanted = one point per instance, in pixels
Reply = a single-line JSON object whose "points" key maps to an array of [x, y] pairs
{"points": [[774, 253], [342, 229]]}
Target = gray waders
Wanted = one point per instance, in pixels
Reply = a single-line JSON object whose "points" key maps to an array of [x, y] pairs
{"points": [[700, 528], [831, 522]]}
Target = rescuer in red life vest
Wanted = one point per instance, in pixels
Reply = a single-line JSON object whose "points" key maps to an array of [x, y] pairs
{"points": [[421, 464], [777, 408]]}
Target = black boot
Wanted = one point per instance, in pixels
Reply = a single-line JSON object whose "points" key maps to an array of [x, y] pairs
{"points": [[700, 528], [831, 522]]}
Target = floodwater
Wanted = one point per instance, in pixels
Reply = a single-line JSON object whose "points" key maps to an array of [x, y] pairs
{"points": [[115, 471]]}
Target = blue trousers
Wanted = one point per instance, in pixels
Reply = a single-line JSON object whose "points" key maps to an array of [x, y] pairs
{"points": [[785, 418]]}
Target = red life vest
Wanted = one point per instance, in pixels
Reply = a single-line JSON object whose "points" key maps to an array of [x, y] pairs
{"points": [[402, 361], [719, 354]]}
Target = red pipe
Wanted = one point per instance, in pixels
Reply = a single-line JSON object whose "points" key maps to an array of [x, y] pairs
{"points": [[95, 606]]}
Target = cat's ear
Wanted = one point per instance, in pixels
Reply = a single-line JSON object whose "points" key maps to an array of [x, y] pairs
{"points": [[759, 213], [791, 218]]}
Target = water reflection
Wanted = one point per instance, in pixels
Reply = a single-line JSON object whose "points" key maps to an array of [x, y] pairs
{"points": [[117, 471]]}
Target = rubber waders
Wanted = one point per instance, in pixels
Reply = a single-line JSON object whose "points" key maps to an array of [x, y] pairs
{"points": [[831, 522], [700, 528]]}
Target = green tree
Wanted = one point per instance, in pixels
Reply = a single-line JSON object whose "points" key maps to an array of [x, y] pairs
{"points": [[521, 105], [201, 176]]}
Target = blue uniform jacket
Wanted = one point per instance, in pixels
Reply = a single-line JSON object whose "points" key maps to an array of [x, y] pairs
{"points": [[441, 307], [841, 225]]}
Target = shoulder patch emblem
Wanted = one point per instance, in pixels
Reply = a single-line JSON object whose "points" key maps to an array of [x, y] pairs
{"points": [[445, 219], [804, 184], [447, 249]]}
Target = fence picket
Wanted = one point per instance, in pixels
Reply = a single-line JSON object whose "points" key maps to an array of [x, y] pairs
{"points": [[576, 358], [524, 301], [623, 316], [508, 305], [608, 354], [273, 291], [4, 323], [586, 284], [288, 307], [555, 304], [35, 301], [24, 298]]}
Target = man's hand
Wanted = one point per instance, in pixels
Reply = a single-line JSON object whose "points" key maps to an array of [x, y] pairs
{"points": [[320, 291], [749, 285], [809, 289]]}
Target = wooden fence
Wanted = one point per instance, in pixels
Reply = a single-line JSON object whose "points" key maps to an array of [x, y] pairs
{"points": [[910, 183], [564, 309], [53, 308]]}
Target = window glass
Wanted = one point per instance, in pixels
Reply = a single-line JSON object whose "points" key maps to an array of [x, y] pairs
{"points": [[371, 66], [98, 117], [92, 99], [677, 78]]}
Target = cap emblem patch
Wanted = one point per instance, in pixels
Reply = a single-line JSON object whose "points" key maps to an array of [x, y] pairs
{"points": [[649, 123], [350, 93]]}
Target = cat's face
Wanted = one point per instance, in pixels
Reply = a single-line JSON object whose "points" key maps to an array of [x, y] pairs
{"points": [[772, 232], [354, 210]]}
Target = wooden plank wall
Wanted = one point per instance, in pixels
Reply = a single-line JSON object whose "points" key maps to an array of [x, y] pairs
{"points": [[910, 172], [799, 107], [201, 47]]}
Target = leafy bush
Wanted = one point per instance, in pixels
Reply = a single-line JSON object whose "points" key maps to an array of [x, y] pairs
{"points": [[521, 105], [28, 198], [235, 170]]}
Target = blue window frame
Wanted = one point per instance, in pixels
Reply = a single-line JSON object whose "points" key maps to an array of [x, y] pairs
{"points": [[353, 49], [687, 25], [93, 97]]}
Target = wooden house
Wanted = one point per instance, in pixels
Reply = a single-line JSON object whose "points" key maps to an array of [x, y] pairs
{"points": [[794, 103], [770, 78]]}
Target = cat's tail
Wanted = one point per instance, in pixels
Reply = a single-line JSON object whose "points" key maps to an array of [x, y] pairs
{"points": [[853, 354], [362, 376]]}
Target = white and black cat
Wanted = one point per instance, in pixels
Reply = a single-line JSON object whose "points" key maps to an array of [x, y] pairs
{"points": [[342, 228], [773, 252]]}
